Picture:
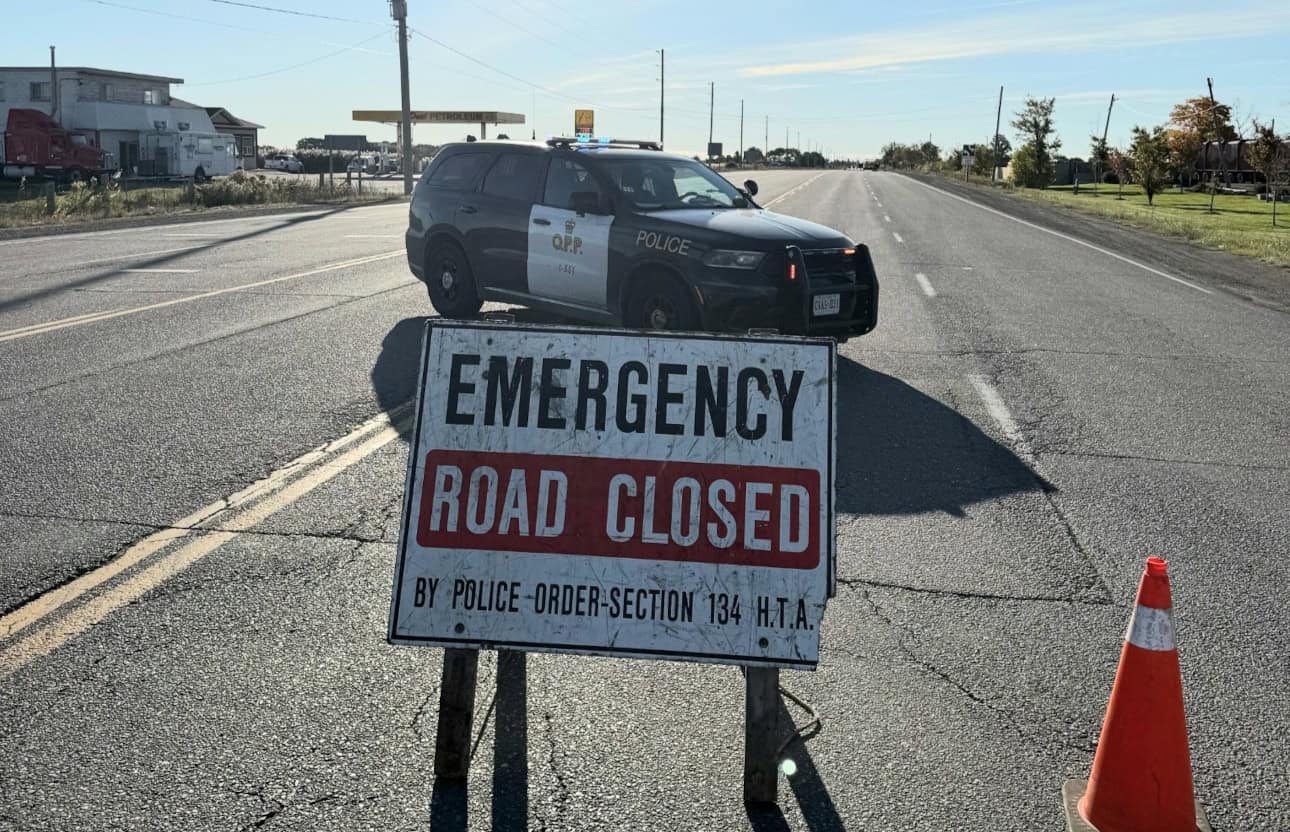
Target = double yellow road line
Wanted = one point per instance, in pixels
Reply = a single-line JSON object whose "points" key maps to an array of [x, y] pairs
{"points": [[182, 544]]}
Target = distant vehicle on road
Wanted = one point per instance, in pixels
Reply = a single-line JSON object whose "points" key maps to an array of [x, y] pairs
{"points": [[284, 162], [33, 144], [624, 234]]}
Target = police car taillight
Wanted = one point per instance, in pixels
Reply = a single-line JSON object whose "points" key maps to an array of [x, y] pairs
{"points": [[792, 271]]}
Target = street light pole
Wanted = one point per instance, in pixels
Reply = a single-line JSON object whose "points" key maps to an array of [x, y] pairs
{"points": [[399, 9], [741, 131], [712, 101], [661, 89]]}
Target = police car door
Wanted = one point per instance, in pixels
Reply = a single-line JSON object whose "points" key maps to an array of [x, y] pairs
{"points": [[569, 251]]}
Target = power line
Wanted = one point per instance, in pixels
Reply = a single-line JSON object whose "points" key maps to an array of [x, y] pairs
{"points": [[527, 83], [523, 29], [318, 59], [175, 16], [295, 12]]}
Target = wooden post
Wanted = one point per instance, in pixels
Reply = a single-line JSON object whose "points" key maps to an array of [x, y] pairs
{"points": [[456, 713], [761, 734]]}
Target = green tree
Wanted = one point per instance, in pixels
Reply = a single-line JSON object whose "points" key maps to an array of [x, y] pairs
{"points": [[1191, 125], [983, 160], [1034, 126], [1270, 155], [1003, 148], [754, 156], [1122, 165], [1098, 156], [309, 143], [1150, 150], [1025, 169]]}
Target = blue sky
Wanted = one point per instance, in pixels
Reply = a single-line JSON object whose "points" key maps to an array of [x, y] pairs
{"points": [[848, 75]]}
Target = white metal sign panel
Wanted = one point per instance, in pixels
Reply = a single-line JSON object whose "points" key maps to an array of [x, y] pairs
{"points": [[615, 493]]}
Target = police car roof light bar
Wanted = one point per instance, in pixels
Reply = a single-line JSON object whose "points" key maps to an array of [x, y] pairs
{"points": [[590, 142]]}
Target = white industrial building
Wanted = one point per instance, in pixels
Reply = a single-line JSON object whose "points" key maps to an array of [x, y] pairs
{"points": [[131, 116]]}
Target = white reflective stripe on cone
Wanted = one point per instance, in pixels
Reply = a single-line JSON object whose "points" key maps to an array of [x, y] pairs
{"points": [[1151, 629]]}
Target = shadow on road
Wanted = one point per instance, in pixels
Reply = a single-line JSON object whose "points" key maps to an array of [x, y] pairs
{"points": [[394, 376], [899, 451], [812, 796], [449, 802], [511, 744], [160, 261]]}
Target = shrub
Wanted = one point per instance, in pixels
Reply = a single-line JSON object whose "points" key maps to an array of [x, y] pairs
{"points": [[1027, 171]]}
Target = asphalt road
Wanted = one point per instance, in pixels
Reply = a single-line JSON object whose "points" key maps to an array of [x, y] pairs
{"points": [[1032, 418]]}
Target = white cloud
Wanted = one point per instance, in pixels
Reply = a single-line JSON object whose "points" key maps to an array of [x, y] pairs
{"points": [[1083, 29]]}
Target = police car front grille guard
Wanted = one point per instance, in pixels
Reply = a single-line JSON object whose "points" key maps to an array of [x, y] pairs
{"points": [[800, 275]]}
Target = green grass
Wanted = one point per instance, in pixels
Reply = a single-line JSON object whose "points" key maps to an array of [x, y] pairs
{"points": [[1240, 224], [83, 203]]}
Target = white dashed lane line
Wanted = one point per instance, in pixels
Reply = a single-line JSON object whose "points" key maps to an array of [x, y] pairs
{"points": [[886, 217], [925, 285], [899, 238], [1002, 416]]}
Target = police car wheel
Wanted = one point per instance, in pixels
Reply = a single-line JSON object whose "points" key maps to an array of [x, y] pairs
{"points": [[451, 283], [663, 304]]}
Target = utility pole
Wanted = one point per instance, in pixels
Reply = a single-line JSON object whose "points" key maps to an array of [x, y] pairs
{"points": [[661, 89], [765, 151], [994, 143], [1218, 144], [533, 91], [712, 100], [399, 9], [53, 86], [741, 132], [1097, 175]]}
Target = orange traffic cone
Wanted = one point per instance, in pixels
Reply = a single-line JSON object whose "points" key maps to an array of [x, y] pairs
{"points": [[1141, 780]]}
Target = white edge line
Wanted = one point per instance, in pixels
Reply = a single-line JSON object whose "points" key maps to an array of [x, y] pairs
{"points": [[1067, 237]]}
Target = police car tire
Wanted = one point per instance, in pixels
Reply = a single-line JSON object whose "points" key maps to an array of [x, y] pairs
{"points": [[661, 293], [462, 299]]}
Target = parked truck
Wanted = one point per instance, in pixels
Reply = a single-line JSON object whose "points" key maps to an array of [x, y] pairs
{"points": [[36, 145]]}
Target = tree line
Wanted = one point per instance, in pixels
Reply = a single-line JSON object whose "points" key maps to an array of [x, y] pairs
{"points": [[1156, 157]]}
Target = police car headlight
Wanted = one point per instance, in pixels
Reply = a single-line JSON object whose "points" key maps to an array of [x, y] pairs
{"points": [[724, 259]]}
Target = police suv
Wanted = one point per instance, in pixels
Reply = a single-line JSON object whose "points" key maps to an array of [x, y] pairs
{"points": [[624, 234]]}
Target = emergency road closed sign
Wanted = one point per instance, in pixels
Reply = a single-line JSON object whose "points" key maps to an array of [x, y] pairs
{"points": [[616, 493]]}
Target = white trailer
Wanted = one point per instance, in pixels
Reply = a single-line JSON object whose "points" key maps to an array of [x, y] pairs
{"points": [[187, 154]]}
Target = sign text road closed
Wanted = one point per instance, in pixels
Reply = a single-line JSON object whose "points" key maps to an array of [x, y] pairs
{"points": [[609, 492]]}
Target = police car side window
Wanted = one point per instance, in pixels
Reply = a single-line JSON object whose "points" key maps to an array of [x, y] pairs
{"points": [[565, 178], [515, 176], [457, 172]]}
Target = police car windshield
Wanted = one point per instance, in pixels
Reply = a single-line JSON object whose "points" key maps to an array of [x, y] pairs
{"points": [[662, 184]]}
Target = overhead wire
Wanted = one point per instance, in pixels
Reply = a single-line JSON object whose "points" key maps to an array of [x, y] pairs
{"points": [[295, 12], [281, 70]]}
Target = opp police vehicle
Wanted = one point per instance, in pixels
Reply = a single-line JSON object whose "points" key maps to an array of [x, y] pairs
{"points": [[622, 233]]}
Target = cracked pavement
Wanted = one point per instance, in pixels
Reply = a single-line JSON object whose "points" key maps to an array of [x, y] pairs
{"points": [[984, 584]]}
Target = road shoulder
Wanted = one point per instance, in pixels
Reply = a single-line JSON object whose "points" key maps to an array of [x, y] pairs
{"points": [[1252, 280]]}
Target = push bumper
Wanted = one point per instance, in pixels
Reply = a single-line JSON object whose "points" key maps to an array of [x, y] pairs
{"points": [[854, 310]]}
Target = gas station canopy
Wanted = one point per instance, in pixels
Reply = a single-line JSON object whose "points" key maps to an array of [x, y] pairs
{"points": [[480, 117]]}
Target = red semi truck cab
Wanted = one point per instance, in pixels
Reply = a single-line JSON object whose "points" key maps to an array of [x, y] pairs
{"points": [[36, 145]]}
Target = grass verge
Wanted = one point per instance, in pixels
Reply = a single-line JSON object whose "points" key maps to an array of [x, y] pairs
{"points": [[1240, 225], [83, 202]]}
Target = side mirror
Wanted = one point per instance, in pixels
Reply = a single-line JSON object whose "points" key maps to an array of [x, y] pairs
{"points": [[751, 187], [586, 202]]}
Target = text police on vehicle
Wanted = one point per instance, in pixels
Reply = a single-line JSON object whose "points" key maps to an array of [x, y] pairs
{"points": [[622, 233]]}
